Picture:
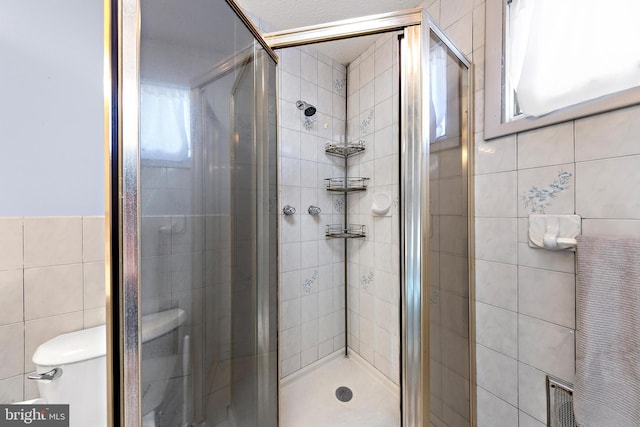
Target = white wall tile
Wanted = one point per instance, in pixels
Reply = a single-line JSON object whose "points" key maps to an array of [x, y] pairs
{"points": [[94, 317], [290, 365], [493, 411], [290, 256], [11, 303], [11, 390], [290, 342], [325, 76], [497, 373], [526, 420], [93, 239], [49, 291], [609, 188], [547, 295], [547, 347], [308, 68], [496, 239], [94, 285], [289, 314], [607, 135], [290, 92], [52, 241], [290, 60], [460, 32], [497, 284], [289, 143], [563, 261], [497, 155], [11, 250], [11, 350], [611, 227], [384, 54], [532, 389], [384, 86], [551, 145], [384, 116], [367, 70], [497, 329], [496, 195]]}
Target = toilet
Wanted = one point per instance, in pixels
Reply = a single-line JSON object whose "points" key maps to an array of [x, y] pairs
{"points": [[71, 369]]}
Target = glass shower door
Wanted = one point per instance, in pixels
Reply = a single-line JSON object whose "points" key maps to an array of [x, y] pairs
{"points": [[204, 156]]}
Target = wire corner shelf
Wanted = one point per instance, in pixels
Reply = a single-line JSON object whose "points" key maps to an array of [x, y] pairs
{"points": [[351, 231], [345, 150], [346, 185]]}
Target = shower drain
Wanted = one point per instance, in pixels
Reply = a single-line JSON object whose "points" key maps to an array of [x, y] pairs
{"points": [[344, 394]]}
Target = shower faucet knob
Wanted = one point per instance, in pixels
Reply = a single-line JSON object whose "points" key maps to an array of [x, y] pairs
{"points": [[288, 210], [314, 210]]}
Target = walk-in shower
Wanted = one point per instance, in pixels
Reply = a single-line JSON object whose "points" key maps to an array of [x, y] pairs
{"points": [[352, 332], [344, 237]]}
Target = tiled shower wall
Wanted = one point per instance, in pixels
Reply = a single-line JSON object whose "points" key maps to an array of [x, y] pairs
{"points": [[311, 267], [525, 298], [373, 262], [51, 282]]}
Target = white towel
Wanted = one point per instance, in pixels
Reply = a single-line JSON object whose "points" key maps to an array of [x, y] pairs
{"points": [[607, 384]]}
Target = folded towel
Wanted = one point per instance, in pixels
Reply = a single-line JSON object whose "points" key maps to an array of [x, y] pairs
{"points": [[607, 383]]}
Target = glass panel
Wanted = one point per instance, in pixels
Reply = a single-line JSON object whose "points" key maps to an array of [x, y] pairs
{"points": [[207, 181], [448, 249]]}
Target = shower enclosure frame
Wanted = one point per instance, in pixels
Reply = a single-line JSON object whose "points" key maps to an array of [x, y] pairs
{"points": [[122, 61], [122, 20], [414, 185]]}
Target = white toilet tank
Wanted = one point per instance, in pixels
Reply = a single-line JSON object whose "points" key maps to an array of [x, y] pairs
{"points": [[82, 381], [79, 361]]}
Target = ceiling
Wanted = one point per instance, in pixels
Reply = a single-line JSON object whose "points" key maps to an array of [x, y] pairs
{"points": [[278, 15]]}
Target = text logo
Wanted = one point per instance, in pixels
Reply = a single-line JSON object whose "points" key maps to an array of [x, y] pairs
{"points": [[34, 415]]}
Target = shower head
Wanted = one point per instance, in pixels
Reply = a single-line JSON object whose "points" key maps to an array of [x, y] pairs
{"points": [[309, 110]]}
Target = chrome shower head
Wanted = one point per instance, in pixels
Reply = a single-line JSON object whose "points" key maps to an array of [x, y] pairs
{"points": [[309, 110]]}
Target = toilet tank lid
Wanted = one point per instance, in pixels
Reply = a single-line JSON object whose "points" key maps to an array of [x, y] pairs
{"points": [[91, 343], [72, 347]]}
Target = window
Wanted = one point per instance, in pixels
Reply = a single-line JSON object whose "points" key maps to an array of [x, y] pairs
{"points": [[164, 123], [562, 60]]}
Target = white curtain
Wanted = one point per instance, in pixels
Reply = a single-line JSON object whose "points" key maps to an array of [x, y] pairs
{"points": [[563, 52], [438, 89], [164, 123]]}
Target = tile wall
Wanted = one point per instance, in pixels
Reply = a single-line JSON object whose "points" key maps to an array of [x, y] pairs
{"points": [[373, 262], [51, 282], [311, 266], [525, 298]]}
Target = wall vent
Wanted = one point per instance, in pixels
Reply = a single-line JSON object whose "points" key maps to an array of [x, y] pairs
{"points": [[559, 403]]}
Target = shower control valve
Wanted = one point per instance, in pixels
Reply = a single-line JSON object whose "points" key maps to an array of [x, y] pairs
{"points": [[314, 210], [288, 210]]}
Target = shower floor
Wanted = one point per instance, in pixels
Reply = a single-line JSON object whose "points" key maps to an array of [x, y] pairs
{"points": [[307, 397]]}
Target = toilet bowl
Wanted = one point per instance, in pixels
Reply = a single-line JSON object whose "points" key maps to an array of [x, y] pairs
{"points": [[71, 369]]}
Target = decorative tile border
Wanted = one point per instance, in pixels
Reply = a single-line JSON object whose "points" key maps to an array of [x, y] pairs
{"points": [[537, 199]]}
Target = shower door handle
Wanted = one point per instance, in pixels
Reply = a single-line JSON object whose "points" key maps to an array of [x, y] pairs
{"points": [[47, 376]]}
